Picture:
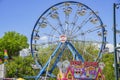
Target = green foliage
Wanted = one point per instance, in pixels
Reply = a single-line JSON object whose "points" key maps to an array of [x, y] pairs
{"points": [[108, 70], [13, 42], [107, 58], [1, 51], [1, 55], [23, 68], [88, 50], [20, 67]]}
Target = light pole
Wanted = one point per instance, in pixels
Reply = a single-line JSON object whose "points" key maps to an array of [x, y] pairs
{"points": [[114, 38]]}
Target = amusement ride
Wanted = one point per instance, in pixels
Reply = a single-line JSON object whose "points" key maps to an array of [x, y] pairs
{"points": [[64, 32]]}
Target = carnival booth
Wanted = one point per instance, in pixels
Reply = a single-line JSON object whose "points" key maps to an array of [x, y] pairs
{"points": [[76, 70]]}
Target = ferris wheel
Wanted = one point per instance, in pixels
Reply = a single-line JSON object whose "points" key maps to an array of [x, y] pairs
{"points": [[69, 29]]}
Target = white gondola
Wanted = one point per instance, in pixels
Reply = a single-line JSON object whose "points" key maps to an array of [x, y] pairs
{"points": [[43, 24], [54, 15], [81, 12], [94, 20], [68, 10]]}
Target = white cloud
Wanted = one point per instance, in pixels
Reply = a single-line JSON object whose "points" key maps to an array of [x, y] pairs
{"points": [[44, 38], [111, 47]]}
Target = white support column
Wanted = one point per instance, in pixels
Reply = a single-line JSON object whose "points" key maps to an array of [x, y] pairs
{"points": [[2, 71]]}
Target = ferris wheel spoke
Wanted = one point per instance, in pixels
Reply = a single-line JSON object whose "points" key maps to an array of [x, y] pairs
{"points": [[47, 43], [67, 11], [74, 22], [60, 25], [75, 19], [82, 24], [93, 19], [89, 31], [86, 41], [77, 13], [54, 28], [66, 24], [50, 35]]}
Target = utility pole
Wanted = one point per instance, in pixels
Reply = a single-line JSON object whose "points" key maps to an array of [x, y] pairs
{"points": [[115, 6]]}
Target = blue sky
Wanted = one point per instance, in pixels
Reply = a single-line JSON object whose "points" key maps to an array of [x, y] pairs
{"points": [[21, 15]]}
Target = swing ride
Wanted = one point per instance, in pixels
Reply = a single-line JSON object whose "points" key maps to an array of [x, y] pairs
{"points": [[65, 32]]}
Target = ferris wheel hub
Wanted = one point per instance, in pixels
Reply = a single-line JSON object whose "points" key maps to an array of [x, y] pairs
{"points": [[63, 38]]}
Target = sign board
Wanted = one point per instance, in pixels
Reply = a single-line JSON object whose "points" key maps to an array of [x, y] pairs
{"points": [[78, 70]]}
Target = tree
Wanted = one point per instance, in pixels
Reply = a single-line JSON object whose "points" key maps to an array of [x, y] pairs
{"points": [[13, 42], [20, 67], [1, 55], [108, 70]]}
